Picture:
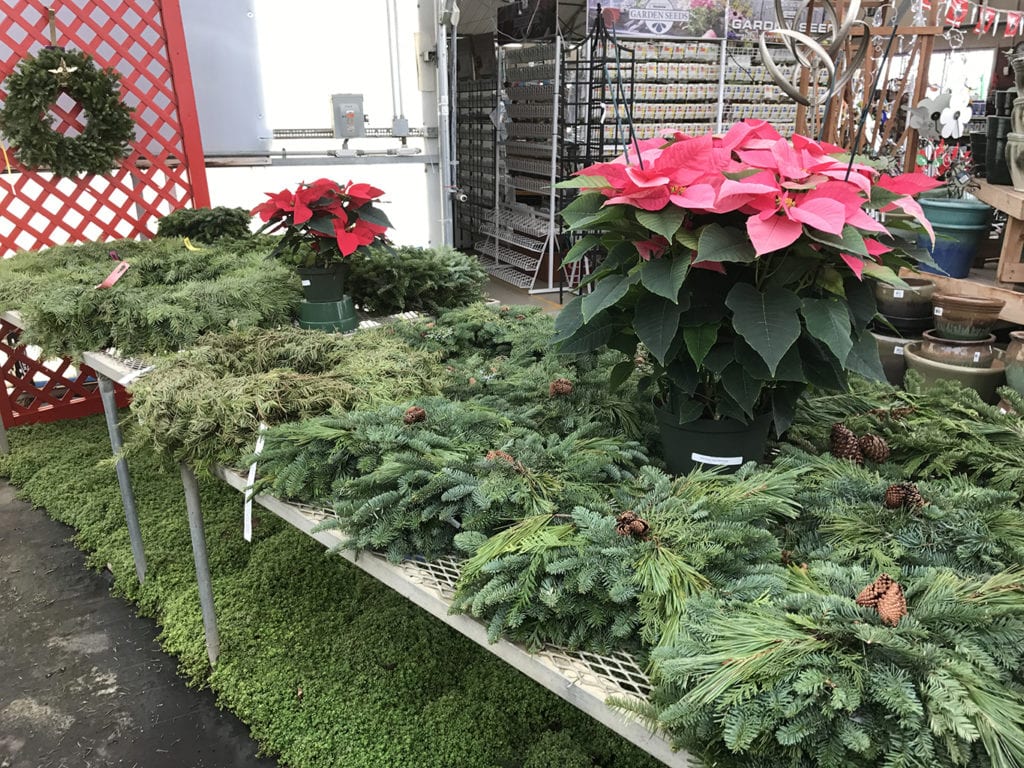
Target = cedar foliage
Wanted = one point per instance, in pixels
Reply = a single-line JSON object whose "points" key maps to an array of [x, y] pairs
{"points": [[167, 300], [205, 404], [386, 280], [206, 225]]}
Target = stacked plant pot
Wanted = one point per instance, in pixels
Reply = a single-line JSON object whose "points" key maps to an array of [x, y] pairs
{"points": [[1014, 152], [907, 313], [961, 345]]}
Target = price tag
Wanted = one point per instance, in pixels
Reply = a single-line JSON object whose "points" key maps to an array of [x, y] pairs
{"points": [[897, 350], [250, 481], [113, 277], [898, 293], [937, 312], [977, 356], [305, 283], [718, 461]]}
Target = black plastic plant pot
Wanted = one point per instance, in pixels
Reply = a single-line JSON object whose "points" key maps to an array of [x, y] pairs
{"points": [[709, 443], [323, 283]]}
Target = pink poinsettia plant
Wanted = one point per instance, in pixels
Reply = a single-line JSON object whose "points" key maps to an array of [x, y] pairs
{"points": [[742, 262], [323, 222]]}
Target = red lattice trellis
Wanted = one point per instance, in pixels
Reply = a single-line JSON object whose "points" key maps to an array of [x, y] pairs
{"points": [[32, 393], [144, 41]]}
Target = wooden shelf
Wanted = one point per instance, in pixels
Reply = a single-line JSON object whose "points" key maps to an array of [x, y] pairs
{"points": [[1011, 202], [982, 284]]}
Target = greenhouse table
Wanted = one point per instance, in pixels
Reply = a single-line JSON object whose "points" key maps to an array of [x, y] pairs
{"points": [[585, 680]]}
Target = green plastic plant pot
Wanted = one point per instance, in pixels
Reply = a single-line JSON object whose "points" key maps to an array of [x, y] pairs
{"points": [[325, 284], [710, 443], [328, 315]]}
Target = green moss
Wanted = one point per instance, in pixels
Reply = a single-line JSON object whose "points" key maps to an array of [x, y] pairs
{"points": [[382, 683]]}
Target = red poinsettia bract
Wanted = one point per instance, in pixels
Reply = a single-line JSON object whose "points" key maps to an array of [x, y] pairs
{"points": [[322, 215], [783, 187]]}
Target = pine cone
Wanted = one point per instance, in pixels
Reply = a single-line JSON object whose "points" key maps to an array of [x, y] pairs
{"points": [[874, 448], [414, 414], [892, 606], [913, 497], [842, 444], [904, 495], [895, 496], [560, 387], [631, 524], [517, 465], [873, 592]]}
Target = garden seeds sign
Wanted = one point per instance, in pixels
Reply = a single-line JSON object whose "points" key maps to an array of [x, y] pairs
{"points": [[659, 18], [742, 19]]}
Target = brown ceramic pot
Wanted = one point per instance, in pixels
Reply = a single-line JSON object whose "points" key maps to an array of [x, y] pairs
{"points": [[969, 353], [912, 300], [965, 317]]}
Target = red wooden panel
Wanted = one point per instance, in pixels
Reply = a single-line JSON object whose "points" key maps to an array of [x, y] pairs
{"points": [[144, 41], [31, 393]]}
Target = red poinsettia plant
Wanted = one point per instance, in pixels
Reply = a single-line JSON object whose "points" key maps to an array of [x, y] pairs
{"points": [[741, 262], [323, 222]]}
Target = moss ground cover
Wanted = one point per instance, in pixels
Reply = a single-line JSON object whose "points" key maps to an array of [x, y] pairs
{"points": [[328, 667]]}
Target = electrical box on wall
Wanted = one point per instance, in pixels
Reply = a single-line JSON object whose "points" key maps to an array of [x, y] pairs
{"points": [[348, 115]]}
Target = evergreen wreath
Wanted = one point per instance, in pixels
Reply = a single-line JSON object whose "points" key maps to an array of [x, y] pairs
{"points": [[37, 84]]}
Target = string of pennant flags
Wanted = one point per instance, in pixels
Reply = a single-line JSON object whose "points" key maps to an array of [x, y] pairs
{"points": [[983, 18]]}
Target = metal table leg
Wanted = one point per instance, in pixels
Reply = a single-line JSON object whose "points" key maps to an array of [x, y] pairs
{"points": [[195, 526], [124, 479]]}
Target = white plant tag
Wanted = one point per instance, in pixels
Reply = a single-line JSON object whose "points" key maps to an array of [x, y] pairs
{"points": [[897, 350], [305, 283], [898, 293], [250, 481], [718, 461], [938, 312]]}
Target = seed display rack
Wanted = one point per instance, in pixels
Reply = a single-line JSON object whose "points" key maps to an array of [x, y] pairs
{"points": [[520, 241], [475, 142]]}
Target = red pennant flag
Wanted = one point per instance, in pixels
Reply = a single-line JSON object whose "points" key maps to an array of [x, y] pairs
{"points": [[1012, 24], [956, 12], [986, 18]]}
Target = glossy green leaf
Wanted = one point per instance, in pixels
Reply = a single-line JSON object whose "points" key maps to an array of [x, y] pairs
{"points": [[586, 204], [620, 373], [742, 387], [656, 322], [569, 320], [687, 238], [607, 292], [583, 182], [850, 241], [769, 321], [699, 340], [829, 321], [718, 243], [664, 222], [860, 300], [581, 248], [864, 358], [590, 337], [665, 276]]}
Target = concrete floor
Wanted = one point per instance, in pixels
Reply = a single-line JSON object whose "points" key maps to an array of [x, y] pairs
{"points": [[83, 683], [509, 294]]}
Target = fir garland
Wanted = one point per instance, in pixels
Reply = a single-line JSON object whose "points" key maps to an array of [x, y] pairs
{"points": [[32, 90]]}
